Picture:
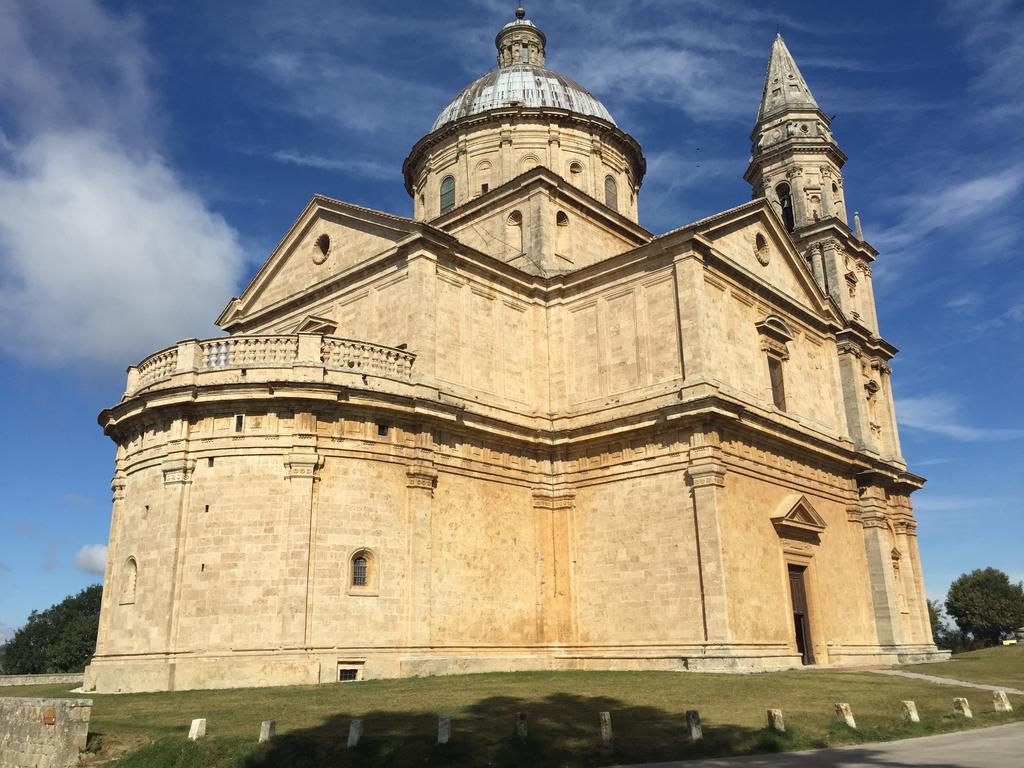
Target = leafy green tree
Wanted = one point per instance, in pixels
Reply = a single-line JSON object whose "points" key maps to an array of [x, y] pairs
{"points": [[60, 639], [986, 604]]}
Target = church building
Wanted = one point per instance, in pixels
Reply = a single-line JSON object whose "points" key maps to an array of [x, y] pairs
{"points": [[519, 431]]}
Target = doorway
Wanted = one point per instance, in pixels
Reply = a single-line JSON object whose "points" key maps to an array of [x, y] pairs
{"points": [[801, 620]]}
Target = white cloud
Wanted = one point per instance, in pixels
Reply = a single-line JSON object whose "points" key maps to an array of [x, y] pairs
{"points": [[105, 253], [92, 558], [372, 169], [939, 415]]}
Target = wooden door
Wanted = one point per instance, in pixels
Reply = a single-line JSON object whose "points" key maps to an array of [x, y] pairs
{"points": [[801, 618]]}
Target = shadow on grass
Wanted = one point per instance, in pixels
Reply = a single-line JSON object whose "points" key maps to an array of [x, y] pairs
{"points": [[563, 733]]}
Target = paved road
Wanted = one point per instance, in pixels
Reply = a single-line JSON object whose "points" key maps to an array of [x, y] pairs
{"points": [[999, 747]]}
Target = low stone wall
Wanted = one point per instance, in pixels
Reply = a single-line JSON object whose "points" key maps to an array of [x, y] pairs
{"points": [[9, 680], [43, 733]]}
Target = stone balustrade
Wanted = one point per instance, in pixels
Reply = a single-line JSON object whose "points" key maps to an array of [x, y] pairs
{"points": [[303, 350]]}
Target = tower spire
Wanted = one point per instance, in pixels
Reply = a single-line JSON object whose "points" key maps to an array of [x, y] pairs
{"points": [[784, 86]]}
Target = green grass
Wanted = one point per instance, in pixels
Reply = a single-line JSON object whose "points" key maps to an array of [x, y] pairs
{"points": [[1002, 665], [647, 708]]}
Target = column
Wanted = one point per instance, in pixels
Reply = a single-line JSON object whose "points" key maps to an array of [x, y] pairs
{"points": [[691, 299], [706, 477], [853, 394], [110, 588], [421, 479], [554, 592], [177, 470], [301, 465], [881, 578]]}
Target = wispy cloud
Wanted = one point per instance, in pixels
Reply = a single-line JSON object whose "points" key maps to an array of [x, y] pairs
{"points": [[939, 414], [373, 169], [966, 301], [92, 558]]}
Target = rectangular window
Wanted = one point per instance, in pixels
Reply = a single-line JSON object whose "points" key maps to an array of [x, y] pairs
{"points": [[209, 461], [525, 54], [239, 422], [484, 188], [382, 430], [778, 385], [347, 675]]}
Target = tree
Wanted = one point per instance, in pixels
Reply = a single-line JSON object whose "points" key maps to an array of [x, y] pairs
{"points": [[986, 604], [60, 639]]}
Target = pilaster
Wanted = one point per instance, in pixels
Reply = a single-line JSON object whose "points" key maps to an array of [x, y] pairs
{"points": [[421, 480], [553, 512], [300, 476], [117, 489], [881, 577], [706, 478]]}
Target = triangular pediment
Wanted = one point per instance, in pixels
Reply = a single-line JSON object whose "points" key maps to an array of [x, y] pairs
{"points": [[545, 201], [313, 324], [796, 514], [752, 244], [329, 237]]}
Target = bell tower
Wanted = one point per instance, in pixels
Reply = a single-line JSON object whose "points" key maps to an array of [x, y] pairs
{"points": [[796, 164]]}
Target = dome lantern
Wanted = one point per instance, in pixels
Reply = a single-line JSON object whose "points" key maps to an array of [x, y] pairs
{"points": [[520, 42]]}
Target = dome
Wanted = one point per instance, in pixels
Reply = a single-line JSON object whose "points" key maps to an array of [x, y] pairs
{"points": [[522, 85]]}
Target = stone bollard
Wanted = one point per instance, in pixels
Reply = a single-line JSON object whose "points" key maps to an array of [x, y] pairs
{"points": [[1001, 701], [521, 728], [909, 712], [444, 729], [844, 713], [355, 733], [268, 728], [606, 729], [962, 708], [775, 721], [693, 724], [197, 730]]}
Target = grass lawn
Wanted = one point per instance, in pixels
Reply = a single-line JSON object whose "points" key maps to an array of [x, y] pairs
{"points": [[647, 710], [1002, 665]]}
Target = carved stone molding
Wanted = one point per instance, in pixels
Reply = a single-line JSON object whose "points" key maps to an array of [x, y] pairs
{"points": [[849, 348], [707, 475], [553, 500], [421, 476], [117, 487], [177, 471], [302, 465]]}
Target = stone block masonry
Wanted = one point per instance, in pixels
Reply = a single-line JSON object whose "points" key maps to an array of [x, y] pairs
{"points": [[43, 733], [74, 678]]}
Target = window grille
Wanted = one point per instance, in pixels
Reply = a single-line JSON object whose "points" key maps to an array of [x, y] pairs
{"points": [[348, 675], [359, 572]]}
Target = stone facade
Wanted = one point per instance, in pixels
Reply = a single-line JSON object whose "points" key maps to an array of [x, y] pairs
{"points": [[525, 434], [43, 733]]}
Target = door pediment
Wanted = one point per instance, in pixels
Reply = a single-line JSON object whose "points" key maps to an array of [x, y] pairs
{"points": [[796, 518]]}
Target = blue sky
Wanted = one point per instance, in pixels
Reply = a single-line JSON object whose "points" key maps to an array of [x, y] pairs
{"points": [[152, 154]]}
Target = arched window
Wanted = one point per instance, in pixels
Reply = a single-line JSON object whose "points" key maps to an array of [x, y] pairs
{"points": [[576, 174], [786, 201], [129, 581], [483, 176], [514, 234], [611, 193], [362, 574], [447, 194], [563, 244]]}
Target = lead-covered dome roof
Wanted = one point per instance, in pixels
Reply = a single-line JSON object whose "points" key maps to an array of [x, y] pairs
{"points": [[522, 85], [521, 80]]}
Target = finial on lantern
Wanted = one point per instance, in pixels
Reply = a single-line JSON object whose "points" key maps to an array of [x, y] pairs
{"points": [[520, 12]]}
